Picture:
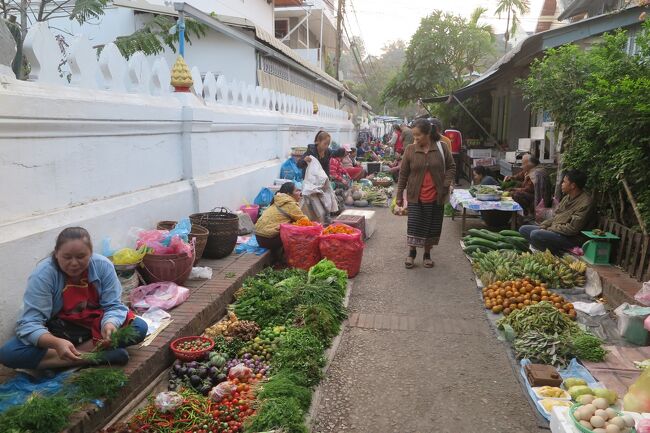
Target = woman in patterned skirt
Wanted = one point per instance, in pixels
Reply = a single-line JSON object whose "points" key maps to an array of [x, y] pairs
{"points": [[427, 173]]}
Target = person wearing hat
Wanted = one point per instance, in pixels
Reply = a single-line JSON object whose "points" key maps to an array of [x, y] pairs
{"points": [[350, 164]]}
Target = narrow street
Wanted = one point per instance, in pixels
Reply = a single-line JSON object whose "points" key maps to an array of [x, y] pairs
{"points": [[418, 355]]}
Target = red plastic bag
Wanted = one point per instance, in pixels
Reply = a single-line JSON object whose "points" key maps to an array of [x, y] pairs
{"points": [[346, 251], [301, 245]]}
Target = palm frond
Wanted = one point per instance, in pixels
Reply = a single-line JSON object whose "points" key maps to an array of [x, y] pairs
{"points": [[85, 10]]}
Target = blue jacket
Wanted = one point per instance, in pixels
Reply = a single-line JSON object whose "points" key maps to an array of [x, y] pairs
{"points": [[43, 297]]}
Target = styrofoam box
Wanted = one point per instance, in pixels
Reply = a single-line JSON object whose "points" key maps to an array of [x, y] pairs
{"points": [[371, 221], [479, 153]]}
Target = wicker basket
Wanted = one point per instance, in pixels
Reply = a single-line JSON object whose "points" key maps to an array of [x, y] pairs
{"points": [[190, 356], [199, 233], [156, 268], [382, 182], [223, 226]]}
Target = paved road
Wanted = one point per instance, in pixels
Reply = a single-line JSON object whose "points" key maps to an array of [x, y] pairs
{"points": [[418, 355]]}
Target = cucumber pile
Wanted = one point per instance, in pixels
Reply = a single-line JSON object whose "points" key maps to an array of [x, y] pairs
{"points": [[485, 240]]}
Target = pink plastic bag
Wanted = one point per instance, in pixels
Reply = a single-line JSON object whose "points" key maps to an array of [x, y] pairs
{"points": [[542, 213], [165, 295], [346, 251], [301, 245]]}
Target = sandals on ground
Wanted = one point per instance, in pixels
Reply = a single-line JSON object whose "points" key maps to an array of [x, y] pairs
{"points": [[409, 263], [427, 263]]}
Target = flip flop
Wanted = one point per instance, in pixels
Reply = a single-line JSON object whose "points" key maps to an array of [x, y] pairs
{"points": [[409, 263], [427, 263]]}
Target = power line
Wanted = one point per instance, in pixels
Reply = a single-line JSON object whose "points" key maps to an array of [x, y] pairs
{"points": [[356, 55], [354, 11]]}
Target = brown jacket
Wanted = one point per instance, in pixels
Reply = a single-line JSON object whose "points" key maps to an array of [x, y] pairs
{"points": [[414, 164], [407, 136], [571, 216]]}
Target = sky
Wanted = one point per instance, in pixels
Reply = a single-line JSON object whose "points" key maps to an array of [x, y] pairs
{"points": [[382, 21]]}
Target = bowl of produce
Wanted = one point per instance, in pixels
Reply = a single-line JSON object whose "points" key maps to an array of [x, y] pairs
{"points": [[488, 193], [552, 392], [191, 348], [598, 417]]}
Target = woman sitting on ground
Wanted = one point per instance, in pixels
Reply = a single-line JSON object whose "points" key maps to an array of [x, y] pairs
{"points": [[350, 164], [284, 209], [72, 300], [482, 176]]}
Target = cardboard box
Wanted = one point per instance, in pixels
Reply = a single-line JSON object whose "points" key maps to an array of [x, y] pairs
{"points": [[370, 219], [356, 221]]}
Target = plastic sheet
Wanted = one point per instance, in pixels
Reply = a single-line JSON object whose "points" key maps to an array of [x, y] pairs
{"points": [[200, 273], [346, 251], [168, 401], [250, 246], [17, 390], [165, 295], [301, 245]]}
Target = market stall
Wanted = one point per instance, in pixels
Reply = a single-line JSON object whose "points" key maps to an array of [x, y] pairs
{"points": [[492, 200]]}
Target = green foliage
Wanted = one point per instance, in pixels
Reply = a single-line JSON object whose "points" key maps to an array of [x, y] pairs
{"points": [[278, 413], [93, 383], [85, 10], [154, 36], [599, 97], [444, 49], [286, 384], [38, 414], [300, 352]]}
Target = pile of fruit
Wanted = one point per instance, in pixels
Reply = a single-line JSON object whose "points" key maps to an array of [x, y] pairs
{"points": [[558, 273], [484, 240], [598, 417], [199, 376], [264, 346], [335, 229], [304, 222], [193, 345], [508, 296]]}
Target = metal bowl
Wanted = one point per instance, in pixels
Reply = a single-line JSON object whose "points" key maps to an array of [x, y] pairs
{"points": [[488, 197]]}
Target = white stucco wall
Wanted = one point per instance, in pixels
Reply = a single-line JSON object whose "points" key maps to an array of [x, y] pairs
{"points": [[110, 161]]}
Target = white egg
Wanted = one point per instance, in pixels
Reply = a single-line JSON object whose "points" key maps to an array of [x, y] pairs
{"points": [[600, 430], [586, 399], [585, 414], [612, 428], [602, 413], [597, 421], [589, 408], [611, 413], [618, 422], [629, 421], [586, 425], [601, 403]]}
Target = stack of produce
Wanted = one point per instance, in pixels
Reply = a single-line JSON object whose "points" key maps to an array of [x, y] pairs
{"points": [[508, 296], [339, 229], [544, 334], [597, 416], [485, 240], [559, 273], [304, 222], [263, 383]]}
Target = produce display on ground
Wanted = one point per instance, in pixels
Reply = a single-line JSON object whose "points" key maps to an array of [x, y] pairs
{"points": [[363, 195], [267, 357], [556, 272], [51, 414], [484, 240], [508, 296]]}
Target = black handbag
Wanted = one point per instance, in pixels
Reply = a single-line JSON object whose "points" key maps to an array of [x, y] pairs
{"points": [[76, 334]]}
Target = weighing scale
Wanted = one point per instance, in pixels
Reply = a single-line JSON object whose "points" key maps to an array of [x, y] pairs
{"points": [[597, 249]]}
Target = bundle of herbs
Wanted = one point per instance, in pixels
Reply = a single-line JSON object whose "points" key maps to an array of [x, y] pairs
{"points": [[94, 383], [39, 414]]}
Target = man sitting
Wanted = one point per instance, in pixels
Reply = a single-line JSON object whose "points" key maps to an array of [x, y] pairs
{"points": [[571, 216]]}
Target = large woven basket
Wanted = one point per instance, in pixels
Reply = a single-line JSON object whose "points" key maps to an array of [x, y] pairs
{"points": [[156, 268], [198, 232], [223, 226]]}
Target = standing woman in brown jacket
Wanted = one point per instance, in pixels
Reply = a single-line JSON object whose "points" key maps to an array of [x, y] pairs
{"points": [[427, 172]]}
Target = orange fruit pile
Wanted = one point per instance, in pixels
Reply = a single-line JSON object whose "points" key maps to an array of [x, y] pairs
{"points": [[508, 296], [335, 229]]}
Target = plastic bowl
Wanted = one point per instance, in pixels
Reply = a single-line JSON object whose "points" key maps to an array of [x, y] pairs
{"points": [[186, 356], [579, 426]]}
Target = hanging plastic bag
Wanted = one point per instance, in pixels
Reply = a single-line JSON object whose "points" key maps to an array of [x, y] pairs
{"points": [[290, 170], [345, 250], [165, 295], [301, 245], [637, 398], [264, 197]]}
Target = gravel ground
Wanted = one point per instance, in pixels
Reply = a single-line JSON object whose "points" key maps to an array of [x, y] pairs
{"points": [[446, 373]]}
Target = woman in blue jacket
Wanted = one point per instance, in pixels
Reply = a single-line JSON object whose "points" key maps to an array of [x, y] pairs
{"points": [[72, 297]]}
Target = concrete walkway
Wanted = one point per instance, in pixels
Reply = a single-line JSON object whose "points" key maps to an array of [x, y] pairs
{"points": [[418, 355]]}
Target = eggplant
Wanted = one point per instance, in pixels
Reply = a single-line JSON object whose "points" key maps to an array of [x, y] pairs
{"points": [[183, 371], [205, 389], [221, 377], [193, 364], [191, 371], [195, 380], [213, 371]]}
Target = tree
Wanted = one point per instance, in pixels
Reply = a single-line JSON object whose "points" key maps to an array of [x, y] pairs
{"points": [[152, 38], [598, 97], [511, 7], [442, 53]]}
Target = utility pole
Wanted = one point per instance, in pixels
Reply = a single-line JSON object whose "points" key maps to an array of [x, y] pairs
{"points": [[339, 36]]}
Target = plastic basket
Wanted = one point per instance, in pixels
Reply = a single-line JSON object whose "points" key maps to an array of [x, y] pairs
{"points": [[190, 356], [579, 426]]}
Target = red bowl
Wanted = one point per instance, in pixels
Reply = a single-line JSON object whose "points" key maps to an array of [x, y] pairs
{"points": [[187, 356]]}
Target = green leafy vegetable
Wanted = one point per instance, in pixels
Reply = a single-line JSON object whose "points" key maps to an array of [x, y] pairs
{"points": [[93, 383], [588, 347], [286, 384], [301, 352], [278, 413], [37, 415]]}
